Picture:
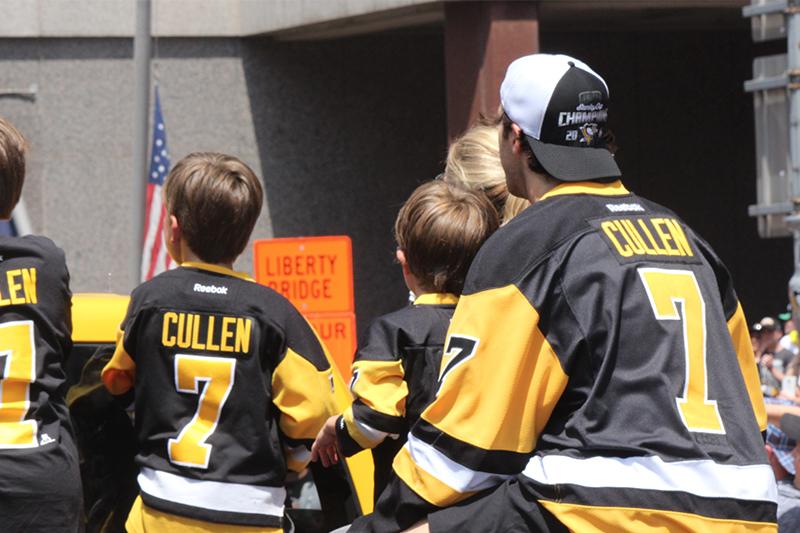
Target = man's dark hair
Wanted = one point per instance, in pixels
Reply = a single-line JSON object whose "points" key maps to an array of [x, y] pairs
{"points": [[533, 163], [609, 140]]}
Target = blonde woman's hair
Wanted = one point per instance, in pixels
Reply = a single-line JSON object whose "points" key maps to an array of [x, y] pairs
{"points": [[473, 161]]}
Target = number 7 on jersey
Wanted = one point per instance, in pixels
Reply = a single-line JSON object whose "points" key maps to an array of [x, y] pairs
{"points": [[190, 447], [666, 290], [18, 356]]}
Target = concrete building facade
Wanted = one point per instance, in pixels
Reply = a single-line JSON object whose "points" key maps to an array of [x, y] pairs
{"points": [[343, 107]]}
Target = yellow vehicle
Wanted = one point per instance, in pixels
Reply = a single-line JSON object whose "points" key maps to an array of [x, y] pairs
{"points": [[107, 441]]}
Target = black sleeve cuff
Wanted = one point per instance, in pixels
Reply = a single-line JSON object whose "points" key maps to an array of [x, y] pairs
{"points": [[347, 444], [395, 425]]}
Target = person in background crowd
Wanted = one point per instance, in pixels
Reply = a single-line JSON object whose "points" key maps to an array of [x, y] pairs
{"points": [[773, 361], [790, 340], [784, 457]]}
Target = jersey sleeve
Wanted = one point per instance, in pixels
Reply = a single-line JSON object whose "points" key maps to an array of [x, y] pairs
{"points": [[119, 375], [740, 334], [498, 385], [302, 388], [379, 388]]}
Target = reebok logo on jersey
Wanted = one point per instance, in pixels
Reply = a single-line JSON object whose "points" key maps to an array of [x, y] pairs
{"points": [[210, 289], [621, 208]]}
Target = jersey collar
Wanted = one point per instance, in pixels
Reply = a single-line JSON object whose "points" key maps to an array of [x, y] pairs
{"points": [[436, 298], [218, 269], [615, 188]]}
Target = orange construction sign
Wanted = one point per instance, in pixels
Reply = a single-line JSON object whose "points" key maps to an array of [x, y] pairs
{"points": [[314, 273]]}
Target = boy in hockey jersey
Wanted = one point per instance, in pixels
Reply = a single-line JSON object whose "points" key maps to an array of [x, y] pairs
{"points": [[39, 477], [438, 231], [231, 383]]}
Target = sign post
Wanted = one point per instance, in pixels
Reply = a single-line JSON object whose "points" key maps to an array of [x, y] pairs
{"points": [[316, 275]]}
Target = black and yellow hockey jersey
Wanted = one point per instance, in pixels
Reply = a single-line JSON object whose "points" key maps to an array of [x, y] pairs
{"points": [[395, 376], [599, 357], [39, 477], [228, 378]]}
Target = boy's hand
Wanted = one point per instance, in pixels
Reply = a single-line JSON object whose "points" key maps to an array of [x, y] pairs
{"points": [[326, 446]]}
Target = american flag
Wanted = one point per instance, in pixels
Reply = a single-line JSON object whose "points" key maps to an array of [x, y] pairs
{"points": [[155, 258]]}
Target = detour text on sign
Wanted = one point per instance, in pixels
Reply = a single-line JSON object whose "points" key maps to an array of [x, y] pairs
{"points": [[338, 333], [314, 273]]}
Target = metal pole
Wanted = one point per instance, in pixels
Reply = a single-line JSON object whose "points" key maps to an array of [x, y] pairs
{"points": [[141, 111], [793, 53]]}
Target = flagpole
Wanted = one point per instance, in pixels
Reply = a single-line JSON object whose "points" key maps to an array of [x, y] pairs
{"points": [[141, 110]]}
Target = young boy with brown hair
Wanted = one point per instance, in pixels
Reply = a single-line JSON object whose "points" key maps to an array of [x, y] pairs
{"points": [[40, 483], [396, 369], [231, 383]]}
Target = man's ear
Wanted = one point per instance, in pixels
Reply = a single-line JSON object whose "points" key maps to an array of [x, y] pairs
{"points": [[517, 138]]}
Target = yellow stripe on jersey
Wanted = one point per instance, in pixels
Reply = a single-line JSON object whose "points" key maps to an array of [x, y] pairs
{"points": [[143, 519], [304, 396], [436, 298], [381, 386], [425, 484], [615, 188], [588, 518], [740, 335], [217, 269], [119, 374], [502, 397]]}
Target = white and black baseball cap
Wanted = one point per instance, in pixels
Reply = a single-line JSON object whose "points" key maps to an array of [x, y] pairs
{"points": [[562, 107]]}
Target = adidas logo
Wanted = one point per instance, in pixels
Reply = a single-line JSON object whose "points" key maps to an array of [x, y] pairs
{"points": [[45, 439]]}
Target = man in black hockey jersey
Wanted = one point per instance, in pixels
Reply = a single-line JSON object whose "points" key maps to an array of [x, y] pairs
{"points": [[231, 383], [40, 487], [598, 374]]}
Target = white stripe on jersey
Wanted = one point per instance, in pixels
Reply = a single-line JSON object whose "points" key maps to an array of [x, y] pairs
{"points": [[454, 475], [375, 436], [700, 477], [300, 454], [212, 495]]}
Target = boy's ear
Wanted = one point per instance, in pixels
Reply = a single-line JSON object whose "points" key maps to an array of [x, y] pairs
{"points": [[401, 258], [173, 230], [173, 237]]}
